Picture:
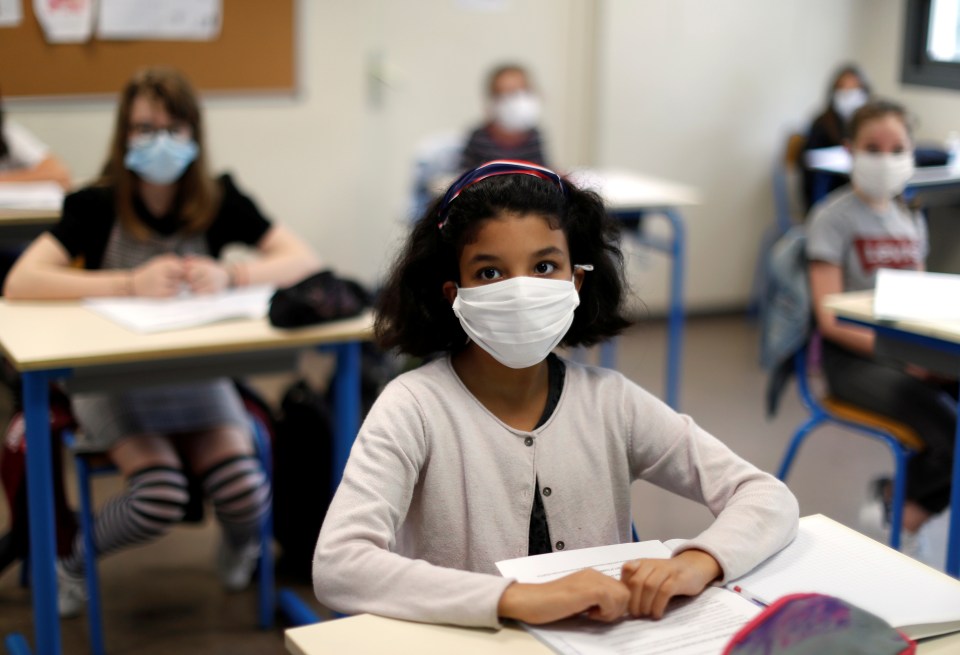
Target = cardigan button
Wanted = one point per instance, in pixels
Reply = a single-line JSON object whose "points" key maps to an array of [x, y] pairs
{"points": [[560, 545], [528, 441], [547, 491]]}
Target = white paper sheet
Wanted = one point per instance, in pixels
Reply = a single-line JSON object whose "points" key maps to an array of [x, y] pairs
{"points": [[691, 626], [160, 315], [829, 558], [66, 22], [916, 295], [606, 559], [11, 13], [31, 195], [184, 20]]}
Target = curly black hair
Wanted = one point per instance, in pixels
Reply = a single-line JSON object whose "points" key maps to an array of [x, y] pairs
{"points": [[413, 315]]}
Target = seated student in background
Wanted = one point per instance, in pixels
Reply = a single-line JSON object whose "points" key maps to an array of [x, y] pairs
{"points": [[501, 449], [849, 90], [852, 233], [24, 158], [154, 225], [511, 131]]}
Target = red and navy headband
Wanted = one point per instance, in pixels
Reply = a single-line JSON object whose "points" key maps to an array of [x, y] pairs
{"points": [[492, 169]]}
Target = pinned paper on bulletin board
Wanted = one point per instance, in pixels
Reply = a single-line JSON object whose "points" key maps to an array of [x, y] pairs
{"points": [[11, 13], [159, 20], [65, 21]]}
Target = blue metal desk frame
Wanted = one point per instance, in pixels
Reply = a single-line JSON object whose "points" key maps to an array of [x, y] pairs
{"points": [[952, 350], [40, 480], [675, 247]]}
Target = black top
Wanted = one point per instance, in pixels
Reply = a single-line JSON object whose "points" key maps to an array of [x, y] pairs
{"points": [[89, 215], [826, 131], [482, 148], [538, 541]]}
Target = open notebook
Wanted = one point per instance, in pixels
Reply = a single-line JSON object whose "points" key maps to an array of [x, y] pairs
{"points": [[826, 557], [161, 314]]}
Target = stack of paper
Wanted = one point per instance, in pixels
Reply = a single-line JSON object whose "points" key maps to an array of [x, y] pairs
{"points": [[916, 295], [691, 626], [31, 195], [162, 314]]}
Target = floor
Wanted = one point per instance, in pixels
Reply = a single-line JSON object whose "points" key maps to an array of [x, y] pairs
{"points": [[165, 597]]}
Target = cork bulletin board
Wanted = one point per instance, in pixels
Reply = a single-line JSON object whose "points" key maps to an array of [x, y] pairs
{"points": [[254, 52]]}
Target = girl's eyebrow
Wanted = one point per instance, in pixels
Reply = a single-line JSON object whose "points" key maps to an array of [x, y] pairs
{"points": [[483, 258], [550, 250]]}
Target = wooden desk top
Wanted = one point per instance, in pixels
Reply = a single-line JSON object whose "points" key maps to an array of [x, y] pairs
{"points": [[858, 305], [374, 635], [626, 190], [41, 217], [39, 335]]}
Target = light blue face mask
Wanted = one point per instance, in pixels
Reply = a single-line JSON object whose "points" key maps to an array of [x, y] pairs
{"points": [[161, 159]]}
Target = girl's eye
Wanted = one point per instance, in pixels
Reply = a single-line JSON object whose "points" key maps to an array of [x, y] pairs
{"points": [[488, 274], [545, 268]]}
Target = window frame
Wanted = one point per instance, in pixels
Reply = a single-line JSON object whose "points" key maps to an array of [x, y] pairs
{"points": [[918, 68]]}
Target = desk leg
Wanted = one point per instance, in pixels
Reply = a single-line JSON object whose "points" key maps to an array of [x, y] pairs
{"points": [[953, 539], [346, 383], [43, 554], [675, 320]]}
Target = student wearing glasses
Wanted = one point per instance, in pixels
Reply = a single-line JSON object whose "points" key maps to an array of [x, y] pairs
{"points": [[154, 225]]}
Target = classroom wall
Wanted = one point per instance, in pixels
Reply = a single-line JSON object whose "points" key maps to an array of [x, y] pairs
{"points": [[705, 93], [693, 90], [376, 76]]}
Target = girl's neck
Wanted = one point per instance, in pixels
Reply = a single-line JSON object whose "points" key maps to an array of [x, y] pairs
{"points": [[515, 396], [158, 198], [878, 205]]}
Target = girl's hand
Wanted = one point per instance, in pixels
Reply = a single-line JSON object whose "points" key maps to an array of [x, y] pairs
{"points": [[602, 598], [205, 275], [653, 582], [159, 277]]}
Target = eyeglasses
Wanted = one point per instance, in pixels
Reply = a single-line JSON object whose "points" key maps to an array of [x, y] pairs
{"points": [[144, 130]]}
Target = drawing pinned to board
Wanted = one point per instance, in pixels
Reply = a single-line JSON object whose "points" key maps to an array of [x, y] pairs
{"points": [[11, 13], [168, 20], [65, 21]]}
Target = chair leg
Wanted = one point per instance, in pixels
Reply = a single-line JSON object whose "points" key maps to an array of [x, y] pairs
{"points": [[94, 614], [266, 592], [805, 429], [900, 456]]}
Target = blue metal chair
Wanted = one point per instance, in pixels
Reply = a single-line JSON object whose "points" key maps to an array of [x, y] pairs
{"points": [[902, 440], [88, 465], [783, 172]]}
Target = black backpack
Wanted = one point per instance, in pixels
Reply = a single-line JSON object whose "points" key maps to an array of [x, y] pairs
{"points": [[303, 465]]}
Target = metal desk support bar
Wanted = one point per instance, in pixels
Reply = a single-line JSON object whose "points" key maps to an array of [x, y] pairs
{"points": [[676, 248], [43, 553]]}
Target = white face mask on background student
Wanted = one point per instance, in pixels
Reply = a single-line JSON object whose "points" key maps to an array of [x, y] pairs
{"points": [[517, 112], [848, 101], [881, 176], [519, 320]]}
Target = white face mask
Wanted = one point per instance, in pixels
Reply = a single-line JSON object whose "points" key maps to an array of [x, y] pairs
{"points": [[520, 320], [881, 176], [847, 101], [517, 112]]}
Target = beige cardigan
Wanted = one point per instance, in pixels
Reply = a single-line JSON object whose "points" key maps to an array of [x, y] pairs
{"points": [[437, 489]]}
